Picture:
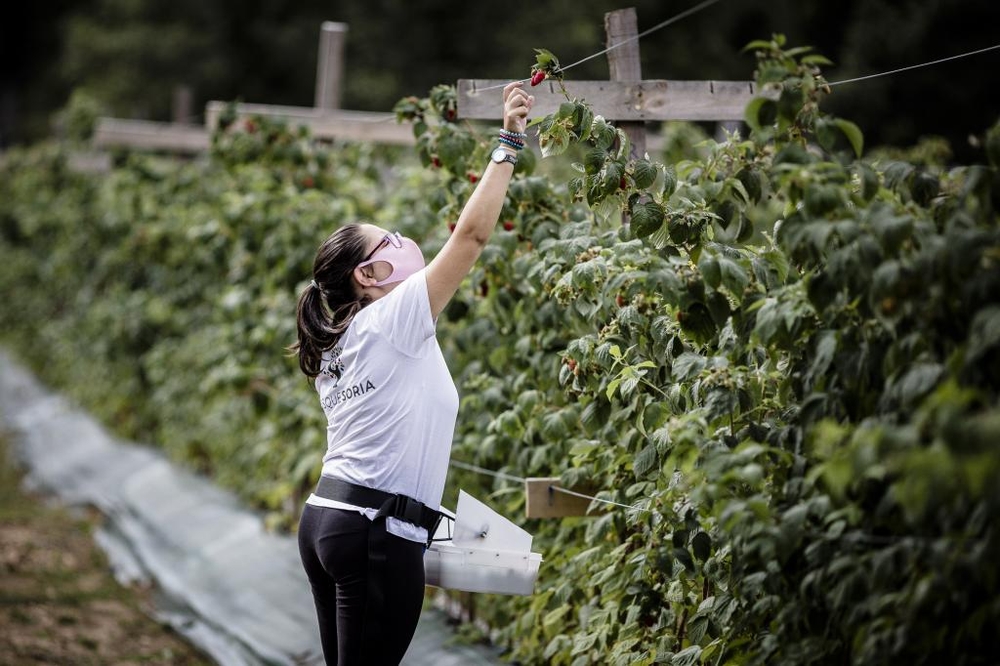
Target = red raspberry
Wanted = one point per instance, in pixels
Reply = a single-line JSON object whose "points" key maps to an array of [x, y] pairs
{"points": [[450, 114], [620, 301], [537, 77], [508, 225], [473, 177], [436, 161], [451, 227], [623, 183]]}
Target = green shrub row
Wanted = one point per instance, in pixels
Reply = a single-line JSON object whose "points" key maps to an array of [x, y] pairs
{"points": [[787, 361]]}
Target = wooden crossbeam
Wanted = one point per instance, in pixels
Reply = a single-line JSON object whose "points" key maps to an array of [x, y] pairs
{"points": [[89, 162], [649, 100], [150, 135], [324, 124]]}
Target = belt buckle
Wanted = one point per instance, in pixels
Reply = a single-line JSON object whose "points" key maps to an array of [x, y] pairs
{"points": [[409, 509]]}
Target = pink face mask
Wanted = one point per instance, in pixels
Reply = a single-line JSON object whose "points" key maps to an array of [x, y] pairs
{"points": [[399, 252]]}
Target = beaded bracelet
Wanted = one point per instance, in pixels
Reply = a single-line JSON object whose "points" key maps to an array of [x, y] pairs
{"points": [[516, 138], [516, 145], [513, 135]]}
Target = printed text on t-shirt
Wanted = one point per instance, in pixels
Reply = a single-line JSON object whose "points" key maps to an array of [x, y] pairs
{"points": [[348, 393]]}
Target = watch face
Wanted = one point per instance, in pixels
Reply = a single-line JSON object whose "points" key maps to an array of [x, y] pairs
{"points": [[499, 154]]}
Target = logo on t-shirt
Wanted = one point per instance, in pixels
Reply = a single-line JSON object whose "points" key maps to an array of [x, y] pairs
{"points": [[335, 367]]}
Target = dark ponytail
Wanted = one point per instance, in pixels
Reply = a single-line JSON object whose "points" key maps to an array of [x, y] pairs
{"points": [[329, 303]]}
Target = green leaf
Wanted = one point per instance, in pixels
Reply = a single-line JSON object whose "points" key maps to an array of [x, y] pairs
{"points": [[827, 134], [710, 271], [793, 153], [761, 113], [669, 182], [687, 366], [759, 45], [683, 556], [555, 141], [993, 145], [624, 144], [545, 58], [689, 656], [790, 102], [554, 617], [734, 277], [984, 334], [752, 183], [451, 149], [916, 382], [816, 59], [583, 121], [745, 231], [646, 218], [644, 174], [602, 134], [584, 642], [825, 348], [768, 319], [696, 629], [797, 50], [853, 134], [869, 181], [645, 461], [612, 177], [701, 544], [593, 160]]}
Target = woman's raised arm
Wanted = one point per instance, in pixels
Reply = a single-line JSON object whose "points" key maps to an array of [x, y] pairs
{"points": [[479, 217]]}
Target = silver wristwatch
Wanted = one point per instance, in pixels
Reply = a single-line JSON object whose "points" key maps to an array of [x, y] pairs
{"points": [[499, 155]]}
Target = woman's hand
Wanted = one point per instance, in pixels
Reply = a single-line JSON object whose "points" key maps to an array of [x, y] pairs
{"points": [[516, 107]]}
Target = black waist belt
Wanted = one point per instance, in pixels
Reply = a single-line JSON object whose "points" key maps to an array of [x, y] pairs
{"points": [[388, 505]]}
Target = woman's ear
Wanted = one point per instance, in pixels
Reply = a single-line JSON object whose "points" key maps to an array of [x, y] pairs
{"points": [[364, 276]]}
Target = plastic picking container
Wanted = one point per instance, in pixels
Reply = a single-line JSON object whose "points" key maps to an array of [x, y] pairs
{"points": [[481, 551], [478, 570]]}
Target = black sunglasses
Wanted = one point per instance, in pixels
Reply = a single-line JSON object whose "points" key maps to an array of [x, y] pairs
{"points": [[391, 237]]}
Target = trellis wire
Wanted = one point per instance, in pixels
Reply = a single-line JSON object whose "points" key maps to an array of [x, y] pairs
{"points": [[658, 26], [519, 479], [908, 68]]}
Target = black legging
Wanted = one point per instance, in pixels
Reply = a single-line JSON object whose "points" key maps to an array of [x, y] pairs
{"points": [[333, 544]]}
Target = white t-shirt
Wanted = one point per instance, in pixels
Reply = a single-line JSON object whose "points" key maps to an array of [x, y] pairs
{"points": [[390, 403]]}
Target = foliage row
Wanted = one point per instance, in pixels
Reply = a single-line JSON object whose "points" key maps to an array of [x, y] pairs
{"points": [[787, 362]]}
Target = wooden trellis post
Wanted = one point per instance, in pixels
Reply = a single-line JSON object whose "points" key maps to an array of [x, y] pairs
{"points": [[623, 62], [330, 65]]}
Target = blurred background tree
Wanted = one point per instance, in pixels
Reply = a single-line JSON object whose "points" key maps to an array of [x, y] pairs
{"points": [[129, 55]]}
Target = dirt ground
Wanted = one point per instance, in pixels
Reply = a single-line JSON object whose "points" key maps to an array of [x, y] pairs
{"points": [[59, 602]]}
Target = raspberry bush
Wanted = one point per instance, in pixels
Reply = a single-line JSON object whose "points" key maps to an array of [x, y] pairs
{"points": [[787, 361]]}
